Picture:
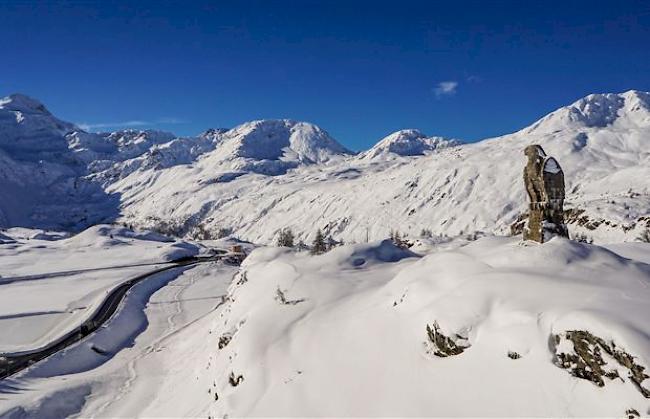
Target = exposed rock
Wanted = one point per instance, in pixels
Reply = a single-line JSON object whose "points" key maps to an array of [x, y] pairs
{"points": [[587, 360], [444, 346], [224, 340], [282, 298], [235, 380]]}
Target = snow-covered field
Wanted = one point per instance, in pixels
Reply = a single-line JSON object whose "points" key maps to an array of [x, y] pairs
{"points": [[348, 336], [152, 355], [347, 333], [49, 287]]}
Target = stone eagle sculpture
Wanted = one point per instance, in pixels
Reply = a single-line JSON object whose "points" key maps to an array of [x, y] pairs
{"points": [[544, 181]]}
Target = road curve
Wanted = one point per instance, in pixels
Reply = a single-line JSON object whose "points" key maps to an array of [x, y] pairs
{"points": [[10, 365], [11, 279]]}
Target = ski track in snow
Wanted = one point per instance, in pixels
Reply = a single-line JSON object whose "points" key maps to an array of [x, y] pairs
{"points": [[175, 290]]}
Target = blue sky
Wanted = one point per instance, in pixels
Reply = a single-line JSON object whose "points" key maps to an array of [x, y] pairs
{"points": [[360, 70]]}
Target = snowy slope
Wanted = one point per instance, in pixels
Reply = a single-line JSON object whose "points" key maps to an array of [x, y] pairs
{"points": [[28, 131], [103, 149], [604, 154], [49, 286], [54, 174], [158, 322], [51, 193], [344, 334], [628, 110], [45, 163], [158, 156]]}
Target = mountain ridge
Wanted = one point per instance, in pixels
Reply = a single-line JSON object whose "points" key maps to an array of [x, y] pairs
{"points": [[261, 176]]}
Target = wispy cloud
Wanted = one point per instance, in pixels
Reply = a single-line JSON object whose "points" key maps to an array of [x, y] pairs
{"points": [[126, 124], [131, 124], [171, 120], [446, 88]]}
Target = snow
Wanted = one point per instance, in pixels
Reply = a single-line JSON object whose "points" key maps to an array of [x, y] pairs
{"points": [[159, 332], [349, 338], [29, 131], [408, 142], [356, 345], [4, 239], [624, 110], [51, 287], [272, 147]]}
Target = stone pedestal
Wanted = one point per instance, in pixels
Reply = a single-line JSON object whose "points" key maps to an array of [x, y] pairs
{"points": [[544, 223], [533, 230]]}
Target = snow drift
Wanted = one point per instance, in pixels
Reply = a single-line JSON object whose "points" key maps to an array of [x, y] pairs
{"points": [[321, 336]]}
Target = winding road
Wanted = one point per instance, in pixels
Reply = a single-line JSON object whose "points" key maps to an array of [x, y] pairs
{"points": [[10, 365]]}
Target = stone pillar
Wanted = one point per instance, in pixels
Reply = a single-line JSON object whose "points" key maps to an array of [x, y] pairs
{"points": [[544, 181]]}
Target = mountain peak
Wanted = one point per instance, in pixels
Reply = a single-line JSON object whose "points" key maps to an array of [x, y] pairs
{"points": [[271, 139], [213, 134], [598, 110], [408, 142], [130, 135], [273, 146], [29, 131], [637, 101], [23, 103]]}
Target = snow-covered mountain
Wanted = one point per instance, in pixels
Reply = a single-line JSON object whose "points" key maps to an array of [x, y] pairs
{"points": [[262, 176], [41, 178], [629, 110], [270, 147], [29, 132], [45, 165], [454, 190], [274, 146], [408, 142]]}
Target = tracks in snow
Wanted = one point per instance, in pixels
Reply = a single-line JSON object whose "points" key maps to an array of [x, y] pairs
{"points": [[10, 365], [173, 327]]}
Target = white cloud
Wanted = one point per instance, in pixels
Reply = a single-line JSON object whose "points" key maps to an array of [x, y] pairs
{"points": [[130, 124], [127, 124], [446, 88]]}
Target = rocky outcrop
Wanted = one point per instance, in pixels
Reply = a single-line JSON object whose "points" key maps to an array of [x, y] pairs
{"points": [[591, 358]]}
